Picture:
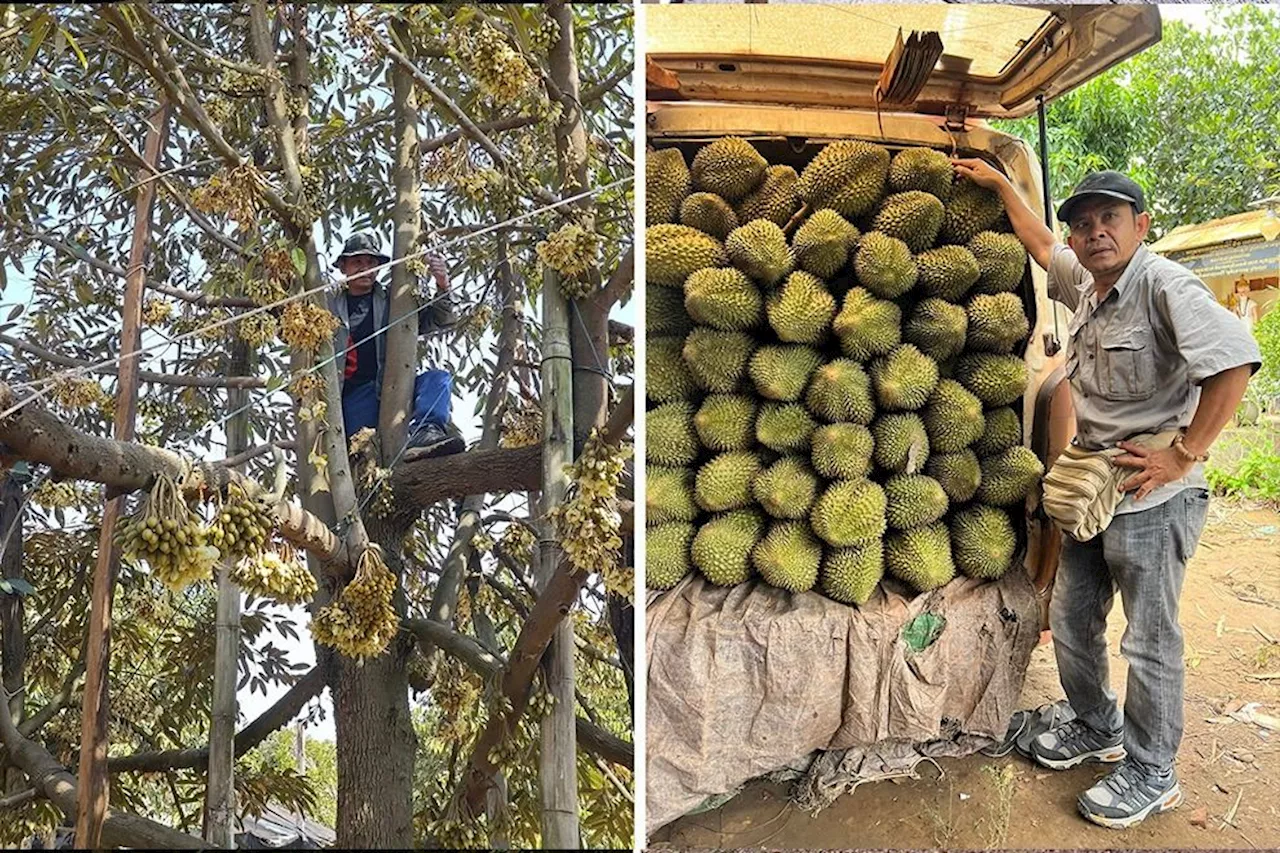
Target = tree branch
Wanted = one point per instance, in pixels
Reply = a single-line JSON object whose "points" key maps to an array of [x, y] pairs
{"points": [[441, 98], [615, 429], [37, 436], [165, 70], [196, 216], [619, 283], [200, 300], [594, 739], [143, 375], [29, 726], [48, 776], [512, 123], [243, 67], [422, 482], [254, 452], [290, 147], [548, 612], [599, 90], [279, 715]]}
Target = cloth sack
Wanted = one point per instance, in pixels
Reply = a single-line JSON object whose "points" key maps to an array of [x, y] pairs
{"points": [[1082, 489]]}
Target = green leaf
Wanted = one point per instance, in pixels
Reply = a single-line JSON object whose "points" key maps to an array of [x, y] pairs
{"points": [[20, 586], [6, 586], [38, 32], [75, 45], [299, 260]]}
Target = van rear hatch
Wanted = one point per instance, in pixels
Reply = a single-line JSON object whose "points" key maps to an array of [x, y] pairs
{"points": [[995, 59]]}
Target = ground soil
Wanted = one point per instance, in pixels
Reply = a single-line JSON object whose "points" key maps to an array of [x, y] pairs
{"points": [[1229, 770]]}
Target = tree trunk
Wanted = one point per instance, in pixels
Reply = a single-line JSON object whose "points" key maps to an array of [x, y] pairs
{"points": [[14, 643], [377, 743], [402, 337]]}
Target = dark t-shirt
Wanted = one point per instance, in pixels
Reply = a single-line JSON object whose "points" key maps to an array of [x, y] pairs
{"points": [[362, 362]]}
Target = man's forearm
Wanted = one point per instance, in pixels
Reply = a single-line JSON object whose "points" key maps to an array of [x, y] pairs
{"points": [[1220, 394], [1028, 226]]}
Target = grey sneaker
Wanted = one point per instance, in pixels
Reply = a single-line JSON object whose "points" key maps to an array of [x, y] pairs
{"points": [[437, 441], [1075, 742], [1129, 795]]}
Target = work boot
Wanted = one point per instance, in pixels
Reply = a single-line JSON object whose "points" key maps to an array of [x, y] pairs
{"points": [[437, 441], [1129, 794], [1075, 742]]}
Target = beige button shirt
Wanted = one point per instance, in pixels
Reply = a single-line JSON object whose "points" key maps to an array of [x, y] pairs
{"points": [[1136, 360]]}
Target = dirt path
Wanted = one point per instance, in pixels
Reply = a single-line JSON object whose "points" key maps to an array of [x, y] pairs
{"points": [[1231, 616]]}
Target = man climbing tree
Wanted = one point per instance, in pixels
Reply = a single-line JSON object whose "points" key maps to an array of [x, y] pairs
{"points": [[362, 305]]}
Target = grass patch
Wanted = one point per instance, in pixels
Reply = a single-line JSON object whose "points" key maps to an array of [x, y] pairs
{"points": [[1002, 778], [1245, 462]]}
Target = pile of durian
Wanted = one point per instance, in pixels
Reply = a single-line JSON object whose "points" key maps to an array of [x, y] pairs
{"points": [[834, 371]]}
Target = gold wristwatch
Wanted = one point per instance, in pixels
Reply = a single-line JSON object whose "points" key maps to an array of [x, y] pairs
{"points": [[1187, 454]]}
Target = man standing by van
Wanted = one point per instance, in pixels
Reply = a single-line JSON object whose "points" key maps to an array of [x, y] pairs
{"points": [[1150, 350]]}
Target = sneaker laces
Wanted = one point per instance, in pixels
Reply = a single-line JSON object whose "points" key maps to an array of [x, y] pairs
{"points": [[1130, 779], [1073, 733]]}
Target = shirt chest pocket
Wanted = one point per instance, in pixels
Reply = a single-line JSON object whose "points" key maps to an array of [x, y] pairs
{"points": [[1128, 369]]}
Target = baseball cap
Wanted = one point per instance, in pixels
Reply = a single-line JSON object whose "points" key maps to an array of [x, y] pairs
{"points": [[1105, 183]]}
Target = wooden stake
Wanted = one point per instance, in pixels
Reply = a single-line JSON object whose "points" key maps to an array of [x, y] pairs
{"points": [[220, 800], [91, 808], [559, 756]]}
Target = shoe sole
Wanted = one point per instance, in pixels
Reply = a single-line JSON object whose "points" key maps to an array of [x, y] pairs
{"points": [[1168, 801], [1110, 755]]}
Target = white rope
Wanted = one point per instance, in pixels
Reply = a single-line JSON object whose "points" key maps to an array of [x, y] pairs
{"points": [[48, 381]]}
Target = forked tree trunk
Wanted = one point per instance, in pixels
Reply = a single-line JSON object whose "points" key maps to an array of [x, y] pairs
{"points": [[376, 741], [375, 731]]}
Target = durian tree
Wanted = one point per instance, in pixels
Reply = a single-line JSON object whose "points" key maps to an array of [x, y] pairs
{"points": [[459, 126]]}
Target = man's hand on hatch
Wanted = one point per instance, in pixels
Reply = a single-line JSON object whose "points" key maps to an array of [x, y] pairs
{"points": [[1157, 467], [439, 271]]}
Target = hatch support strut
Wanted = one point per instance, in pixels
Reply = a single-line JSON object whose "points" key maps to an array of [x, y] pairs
{"points": [[1051, 347]]}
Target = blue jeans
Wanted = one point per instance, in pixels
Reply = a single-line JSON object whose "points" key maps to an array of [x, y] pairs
{"points": [[1144, 555]]}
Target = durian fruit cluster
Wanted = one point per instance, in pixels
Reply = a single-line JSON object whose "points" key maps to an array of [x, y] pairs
{"points": [[361, 622], [156, 311], [257, 330], [169, 535], [501, 70], [76, 392], [571, 252], [521, 427], [279, 575], [833, 370], [242, 524], [305, 326]]}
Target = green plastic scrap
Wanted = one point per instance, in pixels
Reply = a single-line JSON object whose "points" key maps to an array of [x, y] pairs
{"points": [[921, 632]]}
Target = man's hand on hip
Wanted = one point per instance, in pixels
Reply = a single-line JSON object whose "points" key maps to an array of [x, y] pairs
{"points": [[1156, 468]]}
